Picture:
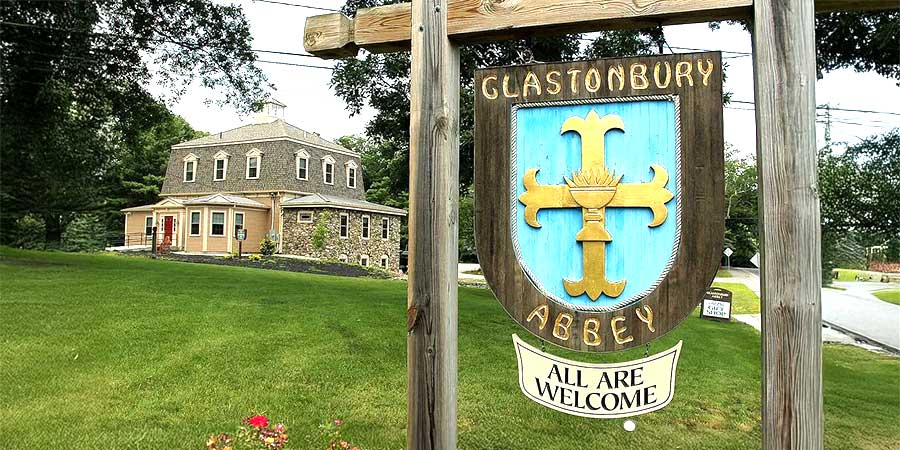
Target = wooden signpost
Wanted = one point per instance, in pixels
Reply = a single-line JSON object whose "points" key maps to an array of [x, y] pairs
{"points": [[716, 304], [784, 66]]}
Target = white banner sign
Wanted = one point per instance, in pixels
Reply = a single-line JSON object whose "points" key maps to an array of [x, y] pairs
{"points": [[603, 391]]}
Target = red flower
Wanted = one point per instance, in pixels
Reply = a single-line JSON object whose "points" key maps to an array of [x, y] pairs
{"points": [[258, 421]]}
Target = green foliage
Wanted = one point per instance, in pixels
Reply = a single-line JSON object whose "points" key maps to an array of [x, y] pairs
{"points": [[81, 133], [255, 257], [267, 247], [29, 232], [86, 233], [865, 41], [467, 228], [741, 210], [320, 234]]}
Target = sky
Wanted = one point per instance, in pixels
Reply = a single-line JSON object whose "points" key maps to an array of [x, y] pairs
{"points": [[313, 106]]}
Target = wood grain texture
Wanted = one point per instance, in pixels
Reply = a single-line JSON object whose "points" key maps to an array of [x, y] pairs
{"points": [[785, 76], [702, 201], [330, 36], [387, 28], [433, 219]]}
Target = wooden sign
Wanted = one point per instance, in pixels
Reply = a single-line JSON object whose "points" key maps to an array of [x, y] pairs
{"points": [[716, 305], [599, 210]]}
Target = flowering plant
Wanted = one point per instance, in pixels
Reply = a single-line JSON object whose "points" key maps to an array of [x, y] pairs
{"points": [[332, 432], [255, 433]]}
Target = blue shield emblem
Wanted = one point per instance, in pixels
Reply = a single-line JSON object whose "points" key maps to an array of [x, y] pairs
{"points": [[595, 198]]}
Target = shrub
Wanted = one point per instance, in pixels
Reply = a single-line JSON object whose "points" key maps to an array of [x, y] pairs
{"points": [[255, 257], [29, 232], [320, 234], [84, 234], [267, 247]]}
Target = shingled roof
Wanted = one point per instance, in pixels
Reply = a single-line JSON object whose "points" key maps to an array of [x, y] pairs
{"points": [[275, 129], [330, 201]]}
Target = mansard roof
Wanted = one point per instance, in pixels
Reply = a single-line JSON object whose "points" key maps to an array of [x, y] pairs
{"points": [[275, 129]]}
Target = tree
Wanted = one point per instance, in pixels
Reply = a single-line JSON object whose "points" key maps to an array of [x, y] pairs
{"points": [[865, 41], [72, 80], [741, 211], [858, 197]]}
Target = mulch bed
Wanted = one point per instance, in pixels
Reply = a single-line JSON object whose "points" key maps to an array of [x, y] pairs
{"points": [[279, 263]]}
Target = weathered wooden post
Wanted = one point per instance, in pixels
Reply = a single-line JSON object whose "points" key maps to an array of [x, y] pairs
{"points": [[784, 59], [433, 218]]}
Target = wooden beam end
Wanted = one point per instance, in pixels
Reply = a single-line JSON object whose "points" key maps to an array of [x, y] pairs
{"points": [[330, 36]]}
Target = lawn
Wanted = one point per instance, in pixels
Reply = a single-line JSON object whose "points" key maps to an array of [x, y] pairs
{"points": [[115, 352], [857, 275], [743, 300], [889, 295], [723, 273]]}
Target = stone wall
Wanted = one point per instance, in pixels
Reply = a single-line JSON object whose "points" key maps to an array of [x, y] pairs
{"points": [[298, 236]]}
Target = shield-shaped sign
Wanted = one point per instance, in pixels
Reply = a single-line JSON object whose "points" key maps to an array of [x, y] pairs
{"points": [[599, 194]]}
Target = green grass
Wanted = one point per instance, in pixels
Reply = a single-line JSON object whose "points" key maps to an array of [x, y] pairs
{"points": [[851, 274], [889, 295], [723, 273], [113, 352], [743, 300]]}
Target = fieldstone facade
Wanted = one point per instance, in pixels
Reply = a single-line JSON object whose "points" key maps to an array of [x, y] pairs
{"points": [[299, 232]]}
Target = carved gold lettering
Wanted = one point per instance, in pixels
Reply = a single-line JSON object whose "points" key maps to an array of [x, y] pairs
{"points": [[660, 84], [541, 312], [618, 331], [705, 73], [645, 314], [683, 70], [573, 79], [560, 329], [489, 93], [593, 80], [619, 72], [531, 81], [639, 77], [555, 86], [591, 333], [506, 92]]}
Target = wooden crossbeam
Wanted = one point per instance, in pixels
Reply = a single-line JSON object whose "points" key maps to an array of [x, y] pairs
{"points": [[387, 28]]}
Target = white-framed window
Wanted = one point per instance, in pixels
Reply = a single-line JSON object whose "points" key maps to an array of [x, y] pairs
{"points": [[195, 223], [304, 217], [384, 261], [345, 226], [217, 224], [302, 162], [328, 170], [254, 164], [238, 222], [365, 227], [364, 260], [220, 166], [343, 258], [385, 228], [190, 168], [148, 226], [351, 175]]}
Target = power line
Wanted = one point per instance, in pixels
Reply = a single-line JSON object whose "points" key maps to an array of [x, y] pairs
{"points": [[294, 64], [298, 5], [832, 108]]}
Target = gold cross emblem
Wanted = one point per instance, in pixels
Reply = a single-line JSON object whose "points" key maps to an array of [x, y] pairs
{"points": [[593, 188]]}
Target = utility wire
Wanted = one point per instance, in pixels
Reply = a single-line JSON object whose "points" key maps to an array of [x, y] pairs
{"points": [[866, 111], [294, 64], [320, 8]]}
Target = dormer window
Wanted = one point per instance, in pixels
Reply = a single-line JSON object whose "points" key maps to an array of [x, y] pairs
{"points": [[328, 170], [254, 162], [351, 174], [302, 163], [190, 168], [220, 171]]}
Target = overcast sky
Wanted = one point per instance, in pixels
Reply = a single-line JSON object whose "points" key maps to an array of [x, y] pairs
{"points": [[313, 106]]}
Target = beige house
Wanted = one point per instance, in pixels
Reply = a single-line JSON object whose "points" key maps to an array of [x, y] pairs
{"points": [[273, 179]]}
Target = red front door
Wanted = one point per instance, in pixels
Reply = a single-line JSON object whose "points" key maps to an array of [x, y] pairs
{"points": [[168, 227]]}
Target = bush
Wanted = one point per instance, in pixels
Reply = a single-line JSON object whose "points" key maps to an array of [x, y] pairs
{"points": [[267, 247], [320, 234], [29, 232], [84, 234]]}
